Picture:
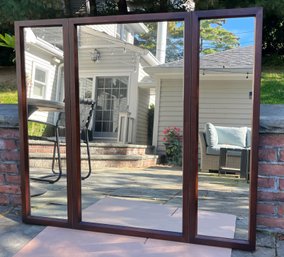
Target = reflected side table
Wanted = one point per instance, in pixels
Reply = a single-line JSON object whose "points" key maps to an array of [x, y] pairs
{"points": [[244, 162]]}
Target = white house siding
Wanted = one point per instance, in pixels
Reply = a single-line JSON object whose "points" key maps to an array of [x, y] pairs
{"points": [[221, 102], [142, 116], [121, 31], [225, 103], [110, 61], [170, 108], [38, 58], [110, 29]]}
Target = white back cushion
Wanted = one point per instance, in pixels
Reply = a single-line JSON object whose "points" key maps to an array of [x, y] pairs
{"points": [[232, 136]]}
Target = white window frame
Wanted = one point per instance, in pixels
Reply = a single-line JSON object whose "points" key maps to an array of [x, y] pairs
{"points": [[39, 67], [112, 76]]}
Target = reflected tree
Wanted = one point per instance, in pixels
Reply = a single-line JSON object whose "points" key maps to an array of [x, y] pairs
{"points": [[214, 38]]}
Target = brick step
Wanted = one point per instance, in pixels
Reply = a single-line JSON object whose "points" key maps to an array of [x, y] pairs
{"points": [[40, 160], [36, 146]]}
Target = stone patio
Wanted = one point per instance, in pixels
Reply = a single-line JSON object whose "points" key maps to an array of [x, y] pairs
{"points": [[159, 184]]}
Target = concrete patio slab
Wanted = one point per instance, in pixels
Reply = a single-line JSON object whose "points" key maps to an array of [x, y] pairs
{"points": [[133, 213], [156, 216], [213, 223], [172, 249], [64, 243]]}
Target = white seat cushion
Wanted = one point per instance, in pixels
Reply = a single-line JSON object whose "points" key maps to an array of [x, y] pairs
{"points": [[215, 150]]}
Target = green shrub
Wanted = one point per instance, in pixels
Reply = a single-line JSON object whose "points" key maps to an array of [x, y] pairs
{"points": [[172, 141]]}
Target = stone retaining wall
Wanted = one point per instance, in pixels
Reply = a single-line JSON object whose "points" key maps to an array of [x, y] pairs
{"points": [[10, 192], [270, 204], [271, 182]]}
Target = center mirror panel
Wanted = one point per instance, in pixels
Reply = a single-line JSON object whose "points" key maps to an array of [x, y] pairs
{"points": [[227, 50], [131, 120]]}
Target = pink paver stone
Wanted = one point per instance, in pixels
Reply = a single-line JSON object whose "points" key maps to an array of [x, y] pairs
{"points": [[61, 242]]}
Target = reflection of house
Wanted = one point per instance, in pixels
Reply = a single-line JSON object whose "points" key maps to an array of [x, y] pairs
{"points": [[110, 72], [44, 69], [225, 91], [113, 69], [119, 76]]}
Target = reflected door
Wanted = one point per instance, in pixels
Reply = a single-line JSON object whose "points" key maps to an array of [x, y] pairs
{"points": [[111, 99]]}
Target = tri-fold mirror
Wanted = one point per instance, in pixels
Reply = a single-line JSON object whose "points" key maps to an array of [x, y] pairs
{"points": [[145, 126]]}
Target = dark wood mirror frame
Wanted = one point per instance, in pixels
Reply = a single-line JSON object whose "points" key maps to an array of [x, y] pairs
{"points": [[191, 95]]}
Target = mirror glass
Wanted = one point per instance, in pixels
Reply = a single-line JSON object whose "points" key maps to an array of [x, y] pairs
{"points": [[44, 63], [131, 116], [225, 119]]}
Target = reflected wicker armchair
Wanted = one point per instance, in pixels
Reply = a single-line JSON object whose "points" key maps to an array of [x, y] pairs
{"points": [[217, 140], [211, 162]]}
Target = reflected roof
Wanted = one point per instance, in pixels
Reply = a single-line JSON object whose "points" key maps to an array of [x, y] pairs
{"points": [[237, 58], [53, 35]]}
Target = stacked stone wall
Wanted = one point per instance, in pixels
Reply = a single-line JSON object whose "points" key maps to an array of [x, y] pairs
{"points": [[270, 205], [10, 191]]}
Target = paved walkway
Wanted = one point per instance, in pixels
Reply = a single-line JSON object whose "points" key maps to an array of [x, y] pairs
{"points": [[159, 184]]}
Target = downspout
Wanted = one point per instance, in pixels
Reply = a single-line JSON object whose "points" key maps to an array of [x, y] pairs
{"points": [[59, 82], [161, 57], [161, 41]]}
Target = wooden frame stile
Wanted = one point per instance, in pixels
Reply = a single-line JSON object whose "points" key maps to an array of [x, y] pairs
{"points": [[191, 99], [23, 114], [77, 218], [249, 244], [22, 103]]}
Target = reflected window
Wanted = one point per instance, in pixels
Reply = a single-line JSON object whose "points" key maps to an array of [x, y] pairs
{"points": [[40, 82]]}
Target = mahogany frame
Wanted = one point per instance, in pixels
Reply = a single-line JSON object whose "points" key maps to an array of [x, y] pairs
{"points": [[191, 95]]}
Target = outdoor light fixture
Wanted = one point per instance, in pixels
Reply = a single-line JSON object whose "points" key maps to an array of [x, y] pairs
{"points": [[55, 60], [250, 95], [95, 55]]}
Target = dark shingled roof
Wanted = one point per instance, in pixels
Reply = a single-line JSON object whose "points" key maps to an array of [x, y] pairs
{"points": [[237, 58]]}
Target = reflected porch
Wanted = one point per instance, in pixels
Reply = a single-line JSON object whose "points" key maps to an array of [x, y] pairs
{"points": [[157, 184]]}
